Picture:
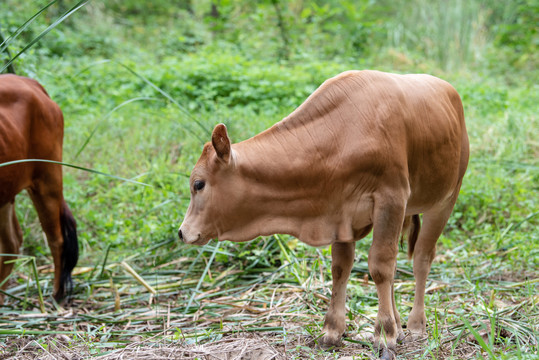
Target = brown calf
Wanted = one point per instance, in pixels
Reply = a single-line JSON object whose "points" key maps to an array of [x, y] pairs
{"points": [[32, 127], [367, 150]]}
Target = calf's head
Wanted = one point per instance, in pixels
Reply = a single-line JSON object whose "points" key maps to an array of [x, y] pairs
{"points": [[216, 192]]}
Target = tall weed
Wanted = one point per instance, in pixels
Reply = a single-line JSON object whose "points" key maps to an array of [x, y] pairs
{"points": [[449, 32]]}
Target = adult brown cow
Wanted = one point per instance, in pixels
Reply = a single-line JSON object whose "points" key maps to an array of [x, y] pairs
{"points": [[32, 127], [367, 150]]}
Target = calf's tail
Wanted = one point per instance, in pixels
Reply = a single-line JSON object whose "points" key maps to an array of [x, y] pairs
{"points": [[410, 229], [70, 253]]}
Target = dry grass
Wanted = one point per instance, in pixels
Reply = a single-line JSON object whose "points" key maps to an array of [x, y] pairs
{"points": [[245, 346], [205, 309]]}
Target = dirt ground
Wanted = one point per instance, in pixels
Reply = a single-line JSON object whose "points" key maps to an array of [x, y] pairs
{"points": [[246, 346]]}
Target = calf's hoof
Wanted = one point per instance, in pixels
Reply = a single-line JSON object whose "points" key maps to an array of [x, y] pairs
{"points": [[328, 341], [388, 354], [401, 337]]}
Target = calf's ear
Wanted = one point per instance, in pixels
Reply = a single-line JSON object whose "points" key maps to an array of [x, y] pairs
{"points": [[221, 142]]}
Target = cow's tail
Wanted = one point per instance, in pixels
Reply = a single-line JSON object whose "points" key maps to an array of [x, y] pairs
{"points": [[410, 230], [70, 253]]}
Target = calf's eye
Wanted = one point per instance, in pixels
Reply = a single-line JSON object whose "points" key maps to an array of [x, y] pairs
{"points": [[199, 185]]}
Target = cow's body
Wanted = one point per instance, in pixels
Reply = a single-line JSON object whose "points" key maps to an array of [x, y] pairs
{"points": [[367, 150], [32, 127]]}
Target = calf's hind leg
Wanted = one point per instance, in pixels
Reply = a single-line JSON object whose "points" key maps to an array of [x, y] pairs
{"points": [[424, 251], [10, 241]]}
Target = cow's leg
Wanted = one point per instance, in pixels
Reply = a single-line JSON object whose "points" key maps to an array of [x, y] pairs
{"points": [[424, 251], [46, 194], [10, 241], [388, 218], [342, 259]]}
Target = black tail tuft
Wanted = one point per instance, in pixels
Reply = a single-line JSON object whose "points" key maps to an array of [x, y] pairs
{"points": [[70, 254], [413, 234], [410, 230]]}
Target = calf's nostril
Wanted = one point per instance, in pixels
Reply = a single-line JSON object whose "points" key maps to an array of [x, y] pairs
{"points": [[180, 234]]}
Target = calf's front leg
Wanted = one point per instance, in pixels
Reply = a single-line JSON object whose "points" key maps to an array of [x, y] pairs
{"points": [[382, 261], [342, 259]]}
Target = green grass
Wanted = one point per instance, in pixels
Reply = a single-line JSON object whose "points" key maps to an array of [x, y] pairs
{"points": [[140, 94]]}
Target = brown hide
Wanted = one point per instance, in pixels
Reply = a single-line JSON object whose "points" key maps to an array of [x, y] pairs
{"points": [[365, 151], [32, 127]]}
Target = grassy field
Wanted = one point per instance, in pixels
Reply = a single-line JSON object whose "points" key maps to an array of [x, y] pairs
{"points": [[141, 87]]}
